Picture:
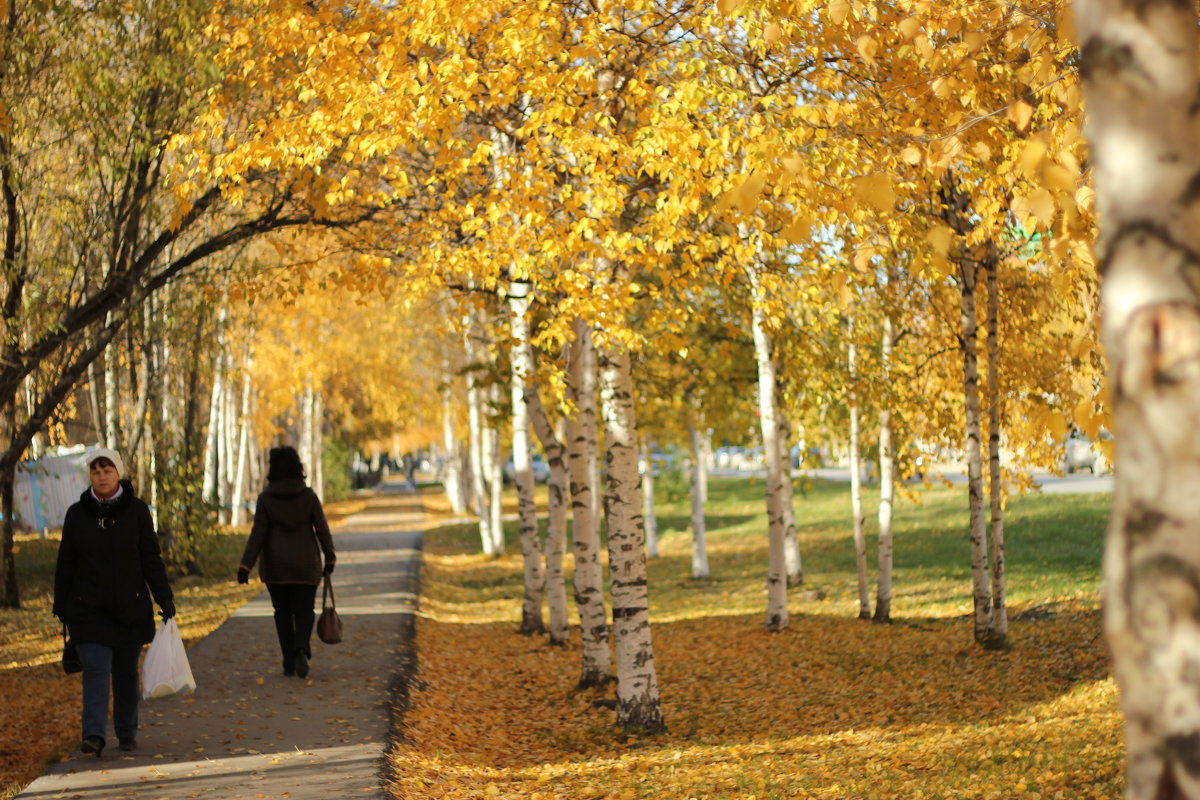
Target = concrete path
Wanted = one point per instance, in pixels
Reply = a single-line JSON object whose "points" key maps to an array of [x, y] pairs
{"points": [[250, 732]]}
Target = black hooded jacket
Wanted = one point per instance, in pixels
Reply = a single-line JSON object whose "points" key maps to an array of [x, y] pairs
{"points": [[290, 534], [109, 566]]}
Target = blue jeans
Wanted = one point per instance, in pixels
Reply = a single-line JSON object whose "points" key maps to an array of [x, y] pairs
{"points": [[102, 665]]}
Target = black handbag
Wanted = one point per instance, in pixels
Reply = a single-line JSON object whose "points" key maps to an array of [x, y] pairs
{"points": [[70, 656], [329, 626]]}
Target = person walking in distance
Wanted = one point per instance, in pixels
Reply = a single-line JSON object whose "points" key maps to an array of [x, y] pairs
{"points": [[109, 566], [290, 535]]}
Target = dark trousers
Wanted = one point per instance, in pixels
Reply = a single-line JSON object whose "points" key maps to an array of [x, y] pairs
{"points": [[103, 665], [294, 618]]}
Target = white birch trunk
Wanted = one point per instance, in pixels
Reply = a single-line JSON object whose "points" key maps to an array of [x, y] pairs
{"points": [[706, 455], [318, 444], [451, 479], [112, 396], [887, 482], [1139, 67], [699, 549], [93, 396], [531, 543], [306, 427], [777, 611], [495, 466], [998, 634], [238, 517], [596, 666], [225, 451], [791, 542], [650, 519], [211, 446], [978, 521], [556, 526], [638, 705], [478, 443], [856, 506]]}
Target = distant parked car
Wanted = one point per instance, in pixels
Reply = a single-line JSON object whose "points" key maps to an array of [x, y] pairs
{"points": [[1082, 453], [541, 470]]}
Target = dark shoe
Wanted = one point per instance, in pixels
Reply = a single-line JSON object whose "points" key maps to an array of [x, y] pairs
{"points": [[126, 745], [301, 664], [92, 744]]}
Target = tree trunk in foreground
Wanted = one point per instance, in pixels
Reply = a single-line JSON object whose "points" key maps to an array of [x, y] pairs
{"points": [[791, 541], [531, 543], [596, 662], [1140, 70], [887, 484], [638, 704]]}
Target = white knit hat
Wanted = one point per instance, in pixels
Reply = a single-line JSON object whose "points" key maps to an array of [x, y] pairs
{"points": [[104, 452]]}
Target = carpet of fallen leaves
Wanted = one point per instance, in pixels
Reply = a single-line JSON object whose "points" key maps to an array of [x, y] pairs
{"points": [[833, 707]]}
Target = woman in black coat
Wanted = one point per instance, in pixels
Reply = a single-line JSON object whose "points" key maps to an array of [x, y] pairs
{"points": [[291, 535], [109, 566]]}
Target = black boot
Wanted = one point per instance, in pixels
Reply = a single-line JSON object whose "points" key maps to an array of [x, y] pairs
{"points": [[301, 664], [92, 744]]}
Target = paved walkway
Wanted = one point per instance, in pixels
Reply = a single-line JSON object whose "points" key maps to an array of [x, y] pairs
{"points": [[250, 732]]}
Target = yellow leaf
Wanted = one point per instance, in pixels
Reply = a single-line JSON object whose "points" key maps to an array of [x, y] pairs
{"points": [[772, 32], [940, 237], [729, 6], [1059, 178], [867, 48], [876, 190], [838, 10], [911, 154], [1058, 426], [910, 27], [974, 40], [797, 232], [1031, 156], [793, 163], [1020, 113], [1041, 205], [746, 195]]}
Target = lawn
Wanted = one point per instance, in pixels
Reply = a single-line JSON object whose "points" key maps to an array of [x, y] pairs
{"points": [[833, 707]]}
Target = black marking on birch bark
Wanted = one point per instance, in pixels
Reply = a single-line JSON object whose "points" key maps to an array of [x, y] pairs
{"points": [[1152, 572], [1141, 7], [625, 613], [1191, 192], [1099, 55], [1152, 230], [1143, 522], [1184, 749]]}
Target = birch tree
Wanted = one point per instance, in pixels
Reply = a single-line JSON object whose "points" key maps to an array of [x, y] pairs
{"points": [[638, 704], [1140, 67], [531, 544], [596, 666]]}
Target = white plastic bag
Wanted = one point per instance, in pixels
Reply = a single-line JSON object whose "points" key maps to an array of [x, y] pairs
{"points": [[165, 670]]}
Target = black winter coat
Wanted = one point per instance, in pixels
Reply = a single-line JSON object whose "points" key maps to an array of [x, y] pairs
{"points": [[290, 534], [109, 565]]}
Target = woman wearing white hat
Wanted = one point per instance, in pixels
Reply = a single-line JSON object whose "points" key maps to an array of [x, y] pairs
{"points": [[109, 566]]}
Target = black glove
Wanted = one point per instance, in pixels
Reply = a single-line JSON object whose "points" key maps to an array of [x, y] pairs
{"points": [[243, 575], [167, 609], [329, 565]]}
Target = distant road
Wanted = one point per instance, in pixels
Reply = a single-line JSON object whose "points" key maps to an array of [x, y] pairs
{"points": [[1079, 483]]}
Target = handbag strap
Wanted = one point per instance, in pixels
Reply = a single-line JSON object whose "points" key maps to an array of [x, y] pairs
{"points": [[327, 590], [64, 632]]}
